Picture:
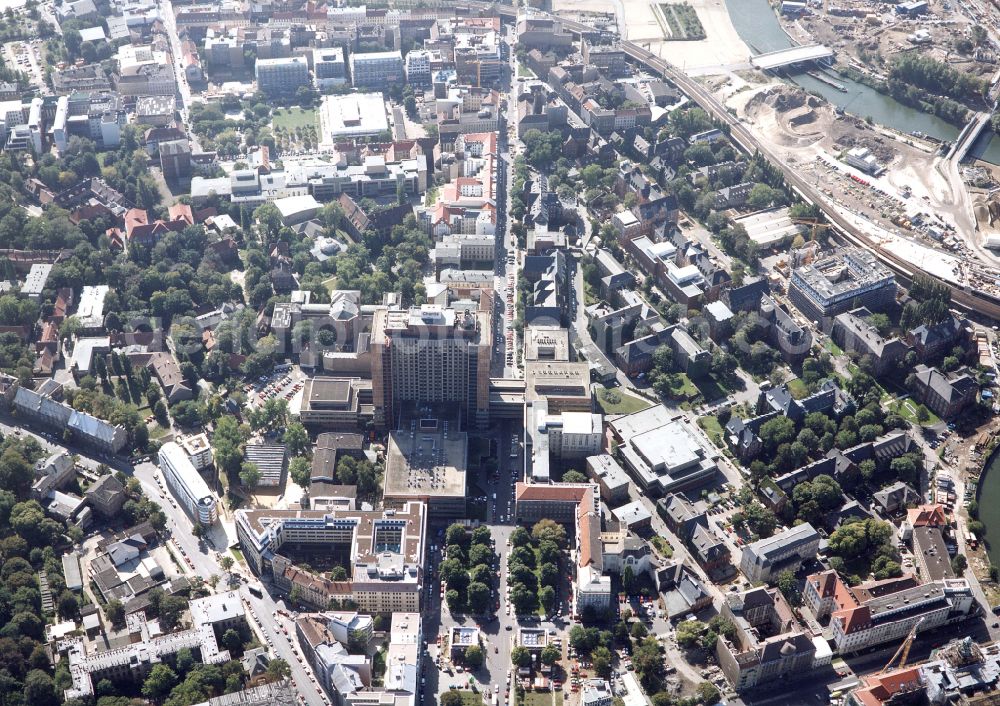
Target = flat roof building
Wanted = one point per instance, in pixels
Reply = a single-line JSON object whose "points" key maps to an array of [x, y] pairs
{"points": [[90, 312], [663, 453], [564, 385], [296, 209], [352, 115], [34, 283], [281, 76], [432, 355], [550, 343], [198, 449], [376, 69], [383, 550], [428, 463], [186, 484], [842, 280]]}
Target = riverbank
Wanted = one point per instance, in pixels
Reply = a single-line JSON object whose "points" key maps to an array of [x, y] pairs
{"points": [[722, 46], [987, 499]]}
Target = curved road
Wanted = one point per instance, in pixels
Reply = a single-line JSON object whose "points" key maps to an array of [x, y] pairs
{"points": [[972, 301]]}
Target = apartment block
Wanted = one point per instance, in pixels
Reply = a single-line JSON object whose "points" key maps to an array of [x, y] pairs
{"points": [[186, 484], [329, 67], [281, 76], [376, 69], [384, 549], [877, 612]]}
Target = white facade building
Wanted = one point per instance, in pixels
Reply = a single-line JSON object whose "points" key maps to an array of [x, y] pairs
{"points": [[186, 484]]}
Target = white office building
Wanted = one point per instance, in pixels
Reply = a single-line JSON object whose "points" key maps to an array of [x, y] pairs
{"points": [[329, 67], [186, 484], [376, 69]]}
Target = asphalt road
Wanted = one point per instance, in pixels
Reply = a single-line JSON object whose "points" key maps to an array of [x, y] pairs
{"points": [[198, 556]]}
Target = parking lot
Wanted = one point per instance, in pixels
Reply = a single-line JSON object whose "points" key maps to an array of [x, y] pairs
{"points": [[26, 57], [281, 385]]}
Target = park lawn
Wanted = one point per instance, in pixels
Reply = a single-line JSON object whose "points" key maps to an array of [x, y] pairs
{"points": [[907, 409], [687, 389], [294, 117], [629, 403], [539, 698], [710, 423], [710, 388], [832, 347], [798, 388], [470, 698], [156, 432]]}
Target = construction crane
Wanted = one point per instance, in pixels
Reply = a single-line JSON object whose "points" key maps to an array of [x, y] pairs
{"points": [[817, 227], [904, 649]]}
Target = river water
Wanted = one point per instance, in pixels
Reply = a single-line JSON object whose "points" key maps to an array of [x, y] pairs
{"points": [[988, 498], [758, 26]]}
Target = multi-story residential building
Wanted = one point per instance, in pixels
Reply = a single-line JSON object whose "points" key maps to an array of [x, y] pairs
{"points": [[842, 280], [198, 450], [786, 550], [384, 549], [418, 66], [143, 648], [281, 76], [60, 417], [329, 67], [787, 653], [432, 355], [877, 612], [186, 484], [945, 394], [376, 69]]}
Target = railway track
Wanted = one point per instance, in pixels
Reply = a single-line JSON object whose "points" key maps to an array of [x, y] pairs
{"points": [[977, 304]]}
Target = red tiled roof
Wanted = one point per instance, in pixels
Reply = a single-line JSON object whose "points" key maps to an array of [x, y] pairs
{"points": [[927, 516], [854, 619], [878, 689], [561, 491]]}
